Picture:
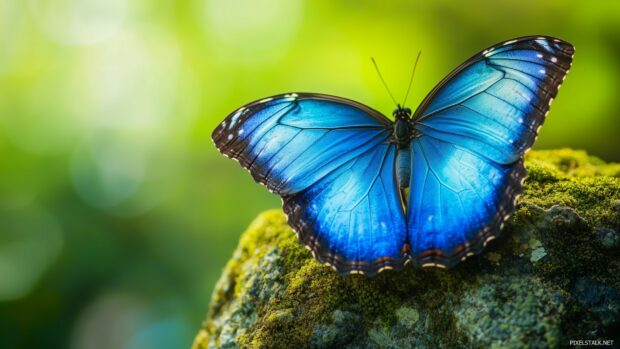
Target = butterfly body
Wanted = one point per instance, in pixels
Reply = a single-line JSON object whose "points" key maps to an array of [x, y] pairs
{"points": [[342, 168], [401, 137]]}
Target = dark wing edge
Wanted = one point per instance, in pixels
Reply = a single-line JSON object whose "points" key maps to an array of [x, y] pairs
{"points": [[493, 229], [326, 257], [436, 258]]}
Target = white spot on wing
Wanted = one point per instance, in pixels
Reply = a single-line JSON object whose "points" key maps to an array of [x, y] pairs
{"points": [[554, 59], [542, 71], [230, 136], [510, 42], [539, 55], [488, 240]]}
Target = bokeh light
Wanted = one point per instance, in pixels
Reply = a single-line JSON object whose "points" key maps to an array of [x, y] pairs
{"points": [[79, 22], [129, 81], [126, 321], [251, 31]]}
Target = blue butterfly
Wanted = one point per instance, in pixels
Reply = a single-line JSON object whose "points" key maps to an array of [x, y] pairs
{"points": [[343, 169]]}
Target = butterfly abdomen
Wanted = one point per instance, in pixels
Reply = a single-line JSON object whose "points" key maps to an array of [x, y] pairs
{"points": [[403, 167]]}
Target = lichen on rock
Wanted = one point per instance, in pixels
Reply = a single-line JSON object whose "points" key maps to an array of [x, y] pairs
{"points": [[553, 275]]}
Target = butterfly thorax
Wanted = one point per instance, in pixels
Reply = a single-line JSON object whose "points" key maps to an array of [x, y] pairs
{"points": [[401, 130]]}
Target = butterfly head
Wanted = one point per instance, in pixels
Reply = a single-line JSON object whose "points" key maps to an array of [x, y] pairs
{"points": [[402, 113]]}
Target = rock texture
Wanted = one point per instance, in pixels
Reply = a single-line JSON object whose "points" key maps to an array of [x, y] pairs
{"points": [[552, 276]]}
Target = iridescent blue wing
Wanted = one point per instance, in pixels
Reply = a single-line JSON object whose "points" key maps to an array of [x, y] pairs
{"points": [[472, 131], [352, 219], [458, 201], [331, 161]]}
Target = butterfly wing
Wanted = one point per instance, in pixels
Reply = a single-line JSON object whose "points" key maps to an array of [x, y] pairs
{"points": [[331, 161], [474, 128]]}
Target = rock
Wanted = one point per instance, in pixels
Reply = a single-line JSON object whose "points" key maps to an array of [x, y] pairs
{"points": [[608, 237], [340, 331], [552, 276], [603, 301]]}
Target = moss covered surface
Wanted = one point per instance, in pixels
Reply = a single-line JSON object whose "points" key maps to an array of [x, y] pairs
{"points": [[553, 275]]}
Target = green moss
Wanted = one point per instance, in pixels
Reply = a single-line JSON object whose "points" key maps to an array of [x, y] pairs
{"points": [[525, 291], [593, 198], [572, 163], [515, 312]]}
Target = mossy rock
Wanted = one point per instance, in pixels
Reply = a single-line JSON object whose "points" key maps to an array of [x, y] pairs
{"points": [[553, 275]]}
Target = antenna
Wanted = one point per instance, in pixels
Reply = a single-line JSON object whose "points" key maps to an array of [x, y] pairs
{"points": [[411, 80], [383, 81]]}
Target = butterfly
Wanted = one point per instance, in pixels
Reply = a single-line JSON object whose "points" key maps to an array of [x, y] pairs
{"points": [[365, 193]]}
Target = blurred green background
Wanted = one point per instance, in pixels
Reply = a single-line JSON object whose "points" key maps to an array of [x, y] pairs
{"points": [[117, 214]]}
